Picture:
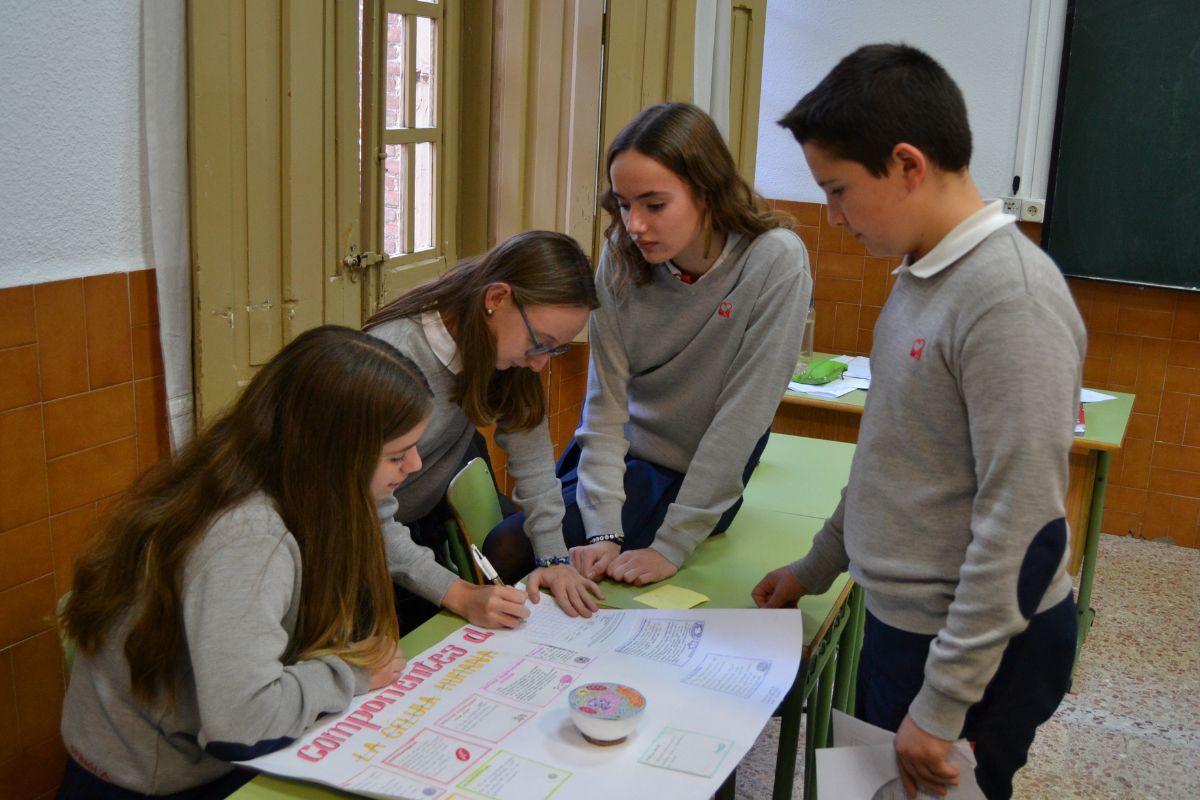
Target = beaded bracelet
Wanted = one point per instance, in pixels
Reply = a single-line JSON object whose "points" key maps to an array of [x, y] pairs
{"points": [[607, 537], [550, 561]]}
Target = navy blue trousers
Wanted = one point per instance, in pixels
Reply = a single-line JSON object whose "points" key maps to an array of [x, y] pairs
{"points": [[1034, 674], [79, 784], [649, 491]]}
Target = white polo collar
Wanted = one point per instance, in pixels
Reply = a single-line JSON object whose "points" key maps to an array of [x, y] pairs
{"points": [[959, 241], [440, 340]]}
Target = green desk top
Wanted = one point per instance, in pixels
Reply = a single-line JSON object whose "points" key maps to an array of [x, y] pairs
{"points": [[794, 473], [728, 566], [800, 475], [1105, 422]]}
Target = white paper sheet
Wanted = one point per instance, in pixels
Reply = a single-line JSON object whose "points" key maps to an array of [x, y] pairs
{"points": [[832, 389], [1092, 396], [861, 765], [484, 713], [856, 366]]}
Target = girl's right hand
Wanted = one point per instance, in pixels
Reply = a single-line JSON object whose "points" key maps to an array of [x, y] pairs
{"points": [[592, 560], [390, 671], [487, 606]]}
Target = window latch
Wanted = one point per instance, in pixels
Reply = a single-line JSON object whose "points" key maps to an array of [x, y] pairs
{"points": [[358, 263]]}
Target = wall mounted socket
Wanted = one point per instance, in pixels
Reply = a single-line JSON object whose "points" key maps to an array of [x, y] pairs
{"points": [[1025, 209], [1033, 210]]}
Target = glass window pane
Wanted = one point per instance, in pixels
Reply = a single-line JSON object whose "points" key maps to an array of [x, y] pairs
{"points": [[423, 218], [395, 186], [394, 84], [426, 79], [358, 87]]}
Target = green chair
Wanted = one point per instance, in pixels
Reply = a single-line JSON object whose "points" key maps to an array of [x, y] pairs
{"points": [[476, 509]]}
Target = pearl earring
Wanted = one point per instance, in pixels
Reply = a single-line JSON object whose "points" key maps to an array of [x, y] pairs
{"points": [[489, 311]]}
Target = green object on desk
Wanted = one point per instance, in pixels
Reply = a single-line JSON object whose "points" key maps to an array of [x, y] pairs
{"points": [[822, 372]]}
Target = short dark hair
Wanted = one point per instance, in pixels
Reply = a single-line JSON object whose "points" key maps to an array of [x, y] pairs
{"points": [[881, 95]]}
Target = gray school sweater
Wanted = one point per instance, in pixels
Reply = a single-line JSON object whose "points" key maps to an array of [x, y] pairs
{"points": [[953, 520], [530, 463], [236, 699], [688, 376]]}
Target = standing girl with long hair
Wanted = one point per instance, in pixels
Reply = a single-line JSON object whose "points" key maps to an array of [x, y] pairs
{"points": [[703, 297], [241, 589], [481, 333]]}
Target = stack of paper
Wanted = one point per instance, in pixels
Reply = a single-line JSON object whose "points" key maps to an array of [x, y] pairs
{"points": [[830, 390], [856, 367]]}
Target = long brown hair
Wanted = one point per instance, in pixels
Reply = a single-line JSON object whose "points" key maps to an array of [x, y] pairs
{"points": [[543, 268], [307, 432], [686, 141]]}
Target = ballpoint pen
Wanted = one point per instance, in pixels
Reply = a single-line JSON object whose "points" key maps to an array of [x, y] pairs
{"points": [[489, 572]]}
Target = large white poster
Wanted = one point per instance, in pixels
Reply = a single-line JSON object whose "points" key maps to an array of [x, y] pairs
{"points": [[483, 714]]}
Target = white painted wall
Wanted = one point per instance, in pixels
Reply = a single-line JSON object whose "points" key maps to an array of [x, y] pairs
{"points": [[981, 43], [72, 195]]}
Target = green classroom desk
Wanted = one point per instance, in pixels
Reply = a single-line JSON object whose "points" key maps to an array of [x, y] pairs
{"points": [[726, 567], [1091, 457], [768, 532]]}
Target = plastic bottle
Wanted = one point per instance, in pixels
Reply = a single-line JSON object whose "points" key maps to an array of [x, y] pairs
{"points": [[806, 343]]}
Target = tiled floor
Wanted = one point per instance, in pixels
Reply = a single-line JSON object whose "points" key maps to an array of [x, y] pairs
{"points": [[1130, 729]]}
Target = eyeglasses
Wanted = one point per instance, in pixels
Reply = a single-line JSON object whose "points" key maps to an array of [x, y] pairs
{"points": [[539, 348]]}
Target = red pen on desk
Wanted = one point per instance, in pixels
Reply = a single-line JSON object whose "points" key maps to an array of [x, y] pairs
{"points": [[485, 566]]}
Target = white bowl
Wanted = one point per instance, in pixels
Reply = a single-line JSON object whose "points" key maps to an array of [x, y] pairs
{"points": [[606, 713]]}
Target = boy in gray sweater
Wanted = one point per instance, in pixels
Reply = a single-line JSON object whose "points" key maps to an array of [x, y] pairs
{"points": [[953, 521]]}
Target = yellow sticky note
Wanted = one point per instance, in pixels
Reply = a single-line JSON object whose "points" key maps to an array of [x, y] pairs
{"points": [[671, 597]]}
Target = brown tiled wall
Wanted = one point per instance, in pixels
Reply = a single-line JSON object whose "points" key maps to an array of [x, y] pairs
{"points": [[82, 412], [1140, 340]]}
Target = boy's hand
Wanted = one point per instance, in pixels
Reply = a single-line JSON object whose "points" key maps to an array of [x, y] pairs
{"points": [[487, 606], [591, 560], [640, 567], [571, 591], [922, 760], [778, 589]]}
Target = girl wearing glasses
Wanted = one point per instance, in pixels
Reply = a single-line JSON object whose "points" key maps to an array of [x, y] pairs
{"points": [[480, 333], [702, 304]]}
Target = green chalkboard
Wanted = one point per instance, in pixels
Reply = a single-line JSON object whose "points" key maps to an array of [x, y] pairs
{"points": [[1123, 201]]}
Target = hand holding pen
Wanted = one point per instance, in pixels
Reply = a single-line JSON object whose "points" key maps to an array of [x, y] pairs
{"points": [[494, 606], [485, 566]]}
